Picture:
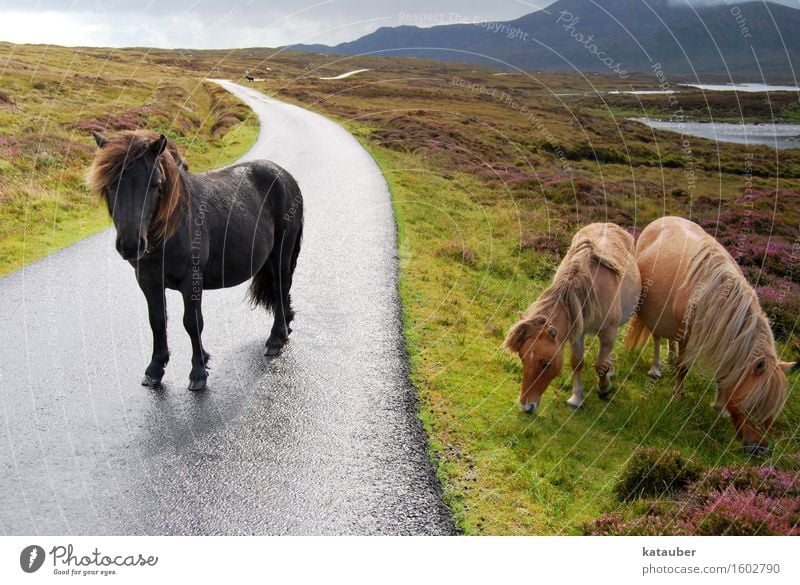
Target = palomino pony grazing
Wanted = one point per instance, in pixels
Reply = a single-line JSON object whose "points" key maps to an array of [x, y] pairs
{"points": [[694, 293], [595, 290], [193, 232]]}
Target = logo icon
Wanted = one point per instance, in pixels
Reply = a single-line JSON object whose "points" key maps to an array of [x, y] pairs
{"points": [[31, 558]]}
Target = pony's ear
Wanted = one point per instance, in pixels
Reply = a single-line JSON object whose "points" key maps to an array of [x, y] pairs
{"points": [[99, 139], [789, 366], [516, 336], [552, 331], [760, 366], [159, 146]]}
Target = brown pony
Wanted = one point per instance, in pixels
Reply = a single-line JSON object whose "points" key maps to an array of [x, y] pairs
{"points": [[694, 293], [595, 290]]}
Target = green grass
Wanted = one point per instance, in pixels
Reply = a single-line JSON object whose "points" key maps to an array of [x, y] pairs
{"points": [[51, 100], [506, 472]]}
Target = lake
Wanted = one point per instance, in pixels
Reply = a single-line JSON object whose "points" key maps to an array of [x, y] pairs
{"points": [[742, 87], [776, 135]]}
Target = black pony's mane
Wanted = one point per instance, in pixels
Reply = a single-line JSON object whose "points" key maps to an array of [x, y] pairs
{"points": [[119, 151]]}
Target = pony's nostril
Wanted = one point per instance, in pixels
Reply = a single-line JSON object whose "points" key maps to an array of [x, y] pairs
{"points": [[129, 250]]}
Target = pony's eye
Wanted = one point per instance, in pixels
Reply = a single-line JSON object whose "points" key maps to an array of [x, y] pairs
{"points": [[545, 364]]}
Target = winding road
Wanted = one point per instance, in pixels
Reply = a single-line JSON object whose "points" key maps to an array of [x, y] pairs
{"points": [[322, 440]]}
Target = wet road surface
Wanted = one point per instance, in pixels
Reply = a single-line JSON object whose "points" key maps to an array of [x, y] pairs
{"points": [[321, 440]]}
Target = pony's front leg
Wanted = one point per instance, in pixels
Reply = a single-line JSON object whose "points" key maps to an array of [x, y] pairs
{"points": [[605, 365], [655, 371], [576, 400], [193, 322], [672, 352], [157, 312]]}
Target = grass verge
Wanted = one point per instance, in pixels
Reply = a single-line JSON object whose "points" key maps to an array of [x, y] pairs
{"points": [[53, 98]]}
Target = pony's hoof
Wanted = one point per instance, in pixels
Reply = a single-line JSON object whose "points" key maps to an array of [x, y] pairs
{"points": [[605, 395], [654, 373], [197, 385], [756, 449], [721, 410], [273, 349], [151, 382], [575, 402]]}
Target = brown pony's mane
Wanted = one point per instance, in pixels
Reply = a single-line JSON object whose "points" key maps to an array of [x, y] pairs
{"points": [[728, 330], [124, 148], [572, 291]]}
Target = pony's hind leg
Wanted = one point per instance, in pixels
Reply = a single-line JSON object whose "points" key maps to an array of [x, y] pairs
{"points": [[576, 400], [655, 371], [672, 352], [280, 270], [605, 366], [680, 374]]}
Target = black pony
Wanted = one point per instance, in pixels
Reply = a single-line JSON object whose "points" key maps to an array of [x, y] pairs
{"points": [[192, 232]]}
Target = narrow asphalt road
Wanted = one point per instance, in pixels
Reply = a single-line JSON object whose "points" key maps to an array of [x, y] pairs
{"points": [[322, 440]]}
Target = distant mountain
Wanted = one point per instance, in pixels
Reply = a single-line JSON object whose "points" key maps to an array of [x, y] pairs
{"points": [[748, 39]]}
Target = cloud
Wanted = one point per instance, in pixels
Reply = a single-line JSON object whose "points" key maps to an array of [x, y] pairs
{"points": [[245, 23]]}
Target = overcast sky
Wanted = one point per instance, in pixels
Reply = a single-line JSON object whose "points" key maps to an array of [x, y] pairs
{"points": [[239, 23]]}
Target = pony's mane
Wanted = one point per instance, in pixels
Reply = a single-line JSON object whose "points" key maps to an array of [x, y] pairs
{"points": [[572, 291], [728, 330], [126, 147]]}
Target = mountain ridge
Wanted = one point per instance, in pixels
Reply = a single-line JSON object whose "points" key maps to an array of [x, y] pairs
{"points": [[745, 42]]}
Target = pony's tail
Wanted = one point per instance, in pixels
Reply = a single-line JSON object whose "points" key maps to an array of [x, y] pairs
{"points": [[265, 289], [637, 335], [296, 252]]}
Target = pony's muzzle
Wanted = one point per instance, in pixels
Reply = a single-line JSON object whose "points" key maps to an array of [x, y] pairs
{"points": [[528, 407], [131, 249]]}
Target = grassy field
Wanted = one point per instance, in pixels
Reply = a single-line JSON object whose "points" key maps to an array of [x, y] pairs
{"points": [[490, 176], [51, 99]]}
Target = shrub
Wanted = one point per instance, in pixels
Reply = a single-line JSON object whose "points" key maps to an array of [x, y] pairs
{"points": [[543, 243], [734, 512], [654, 473], [733, 501], [782, 307], [453, 250], [768, 481], [6, 99], [645, 525]]}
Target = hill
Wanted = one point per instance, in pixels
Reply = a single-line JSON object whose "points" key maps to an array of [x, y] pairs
{"points": [[749, 41]]}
